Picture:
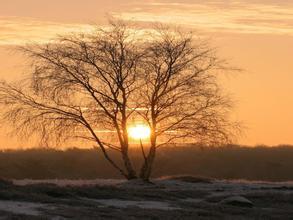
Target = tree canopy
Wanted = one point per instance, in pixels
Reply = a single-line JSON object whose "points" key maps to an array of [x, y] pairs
{"points": [[93, 86]]}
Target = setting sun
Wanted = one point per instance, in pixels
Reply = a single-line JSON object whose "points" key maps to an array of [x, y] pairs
{"points": [[139, 131]]}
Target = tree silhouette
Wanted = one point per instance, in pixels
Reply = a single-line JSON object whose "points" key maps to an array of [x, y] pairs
{"points": [[91, 86]]}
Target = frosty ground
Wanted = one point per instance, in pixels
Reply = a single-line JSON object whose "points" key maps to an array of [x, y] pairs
{"points": [[182, 197]]}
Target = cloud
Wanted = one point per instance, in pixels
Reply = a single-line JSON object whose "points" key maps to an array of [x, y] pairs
{"points": [[231, 16], [218, 16], [18, 30]]}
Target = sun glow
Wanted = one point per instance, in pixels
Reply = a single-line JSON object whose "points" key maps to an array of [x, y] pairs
{"points": [[139, 131]]}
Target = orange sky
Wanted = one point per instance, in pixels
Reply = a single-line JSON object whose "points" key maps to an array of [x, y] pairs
{"points": [[255, 35]]}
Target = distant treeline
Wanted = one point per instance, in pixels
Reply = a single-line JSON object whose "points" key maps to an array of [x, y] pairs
{"points": [[229, 162]]}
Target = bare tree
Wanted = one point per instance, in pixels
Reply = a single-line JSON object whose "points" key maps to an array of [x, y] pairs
{"points": [[89, 86], [181, 95]]}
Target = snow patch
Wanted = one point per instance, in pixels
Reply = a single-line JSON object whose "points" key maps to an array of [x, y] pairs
{"points": [[66, 182], [237, 201], [192, 200], [119, 203], [25, 208]]}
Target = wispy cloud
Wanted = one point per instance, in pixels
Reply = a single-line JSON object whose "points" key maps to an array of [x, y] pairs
{"points": [[218, 16], [18, 30], [234, 16]]}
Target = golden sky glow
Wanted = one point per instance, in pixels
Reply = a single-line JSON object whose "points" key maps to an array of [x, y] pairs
{"points": [[256, 35]]}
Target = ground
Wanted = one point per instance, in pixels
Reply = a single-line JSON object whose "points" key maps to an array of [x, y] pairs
{"points": [[165, 198]]}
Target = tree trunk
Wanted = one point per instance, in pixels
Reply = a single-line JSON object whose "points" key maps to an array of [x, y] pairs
{"points": [[124, 150], [146, 169], [131, 174]]}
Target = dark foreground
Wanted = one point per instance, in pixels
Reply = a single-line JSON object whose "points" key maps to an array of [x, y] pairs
{"points": [[182, 198]]}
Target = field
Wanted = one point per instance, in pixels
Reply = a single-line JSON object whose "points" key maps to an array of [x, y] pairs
{"points": [[229, 182], [184, 197], [230, 162]]}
